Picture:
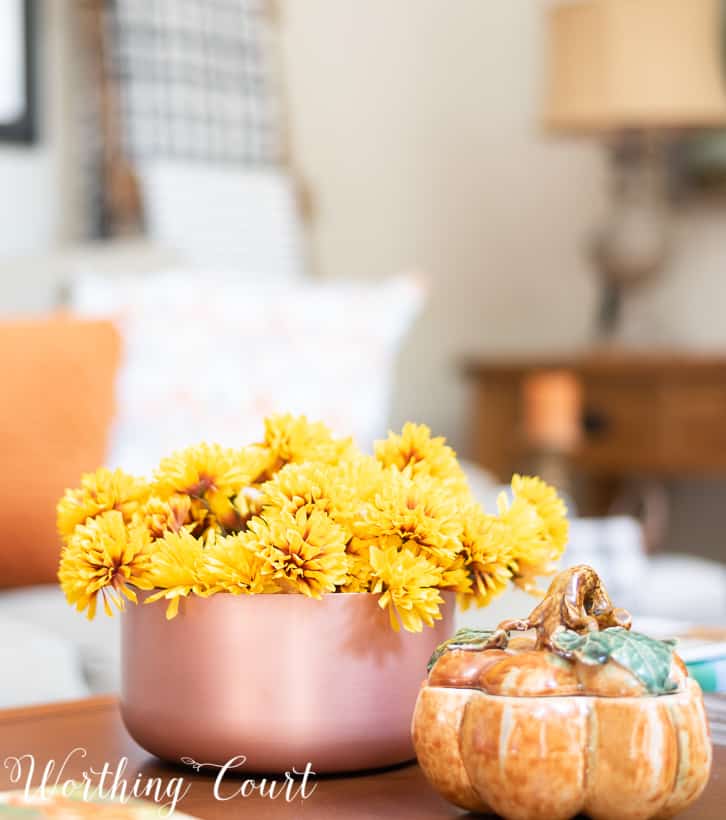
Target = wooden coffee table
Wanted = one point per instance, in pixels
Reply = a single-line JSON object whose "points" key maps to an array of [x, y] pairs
{"points": [[51, 732]]}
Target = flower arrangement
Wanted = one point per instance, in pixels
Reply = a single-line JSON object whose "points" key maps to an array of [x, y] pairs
{"points": [[305, 512]]}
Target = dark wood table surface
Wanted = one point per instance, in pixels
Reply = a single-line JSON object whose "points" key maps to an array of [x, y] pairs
{"points": [[51, 732]]}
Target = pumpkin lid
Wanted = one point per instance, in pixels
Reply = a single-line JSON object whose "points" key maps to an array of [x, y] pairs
{"points": [[582, 645]]}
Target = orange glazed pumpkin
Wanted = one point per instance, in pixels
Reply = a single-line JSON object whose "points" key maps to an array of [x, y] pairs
{"points": [[586, 717]]}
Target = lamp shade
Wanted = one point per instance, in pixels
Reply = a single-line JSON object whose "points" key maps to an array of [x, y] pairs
{"points": [[634, 64]]}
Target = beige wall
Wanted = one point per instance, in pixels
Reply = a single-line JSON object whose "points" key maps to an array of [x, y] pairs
{"points": [[415, 124]]}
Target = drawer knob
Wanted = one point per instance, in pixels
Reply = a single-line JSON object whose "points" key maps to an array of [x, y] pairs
{"points": [[594, 422]]}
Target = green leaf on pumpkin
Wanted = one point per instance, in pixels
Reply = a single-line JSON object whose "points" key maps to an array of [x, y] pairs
{"points": [[647, 658], [471, 639]]}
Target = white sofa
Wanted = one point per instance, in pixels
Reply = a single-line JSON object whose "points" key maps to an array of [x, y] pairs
{"points": [[50, 652]]}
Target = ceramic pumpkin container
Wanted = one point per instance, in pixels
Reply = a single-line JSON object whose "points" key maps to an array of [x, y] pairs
{"points": [[584, 717]]}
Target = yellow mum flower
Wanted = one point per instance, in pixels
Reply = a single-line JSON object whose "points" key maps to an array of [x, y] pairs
{"points": [[307, 486], [160, 516], [415, 451], [293, 439], [456, 577], [306, 552], [360, 572], [357, 479], [176, 562], [103, 557], [550, 507], [538, 529], [421, 515], [213, 475], [233, 564], [407, 585], [336, 490], [99, 492], [208, 469], [488, 557]]}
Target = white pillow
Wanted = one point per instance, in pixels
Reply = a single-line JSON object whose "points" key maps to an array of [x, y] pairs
{"points": [[208, 356], [226, 218]]}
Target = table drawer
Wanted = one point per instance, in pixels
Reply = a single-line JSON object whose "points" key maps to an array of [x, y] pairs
{"points": [[693, 426], [654, 426], [620, 425]]}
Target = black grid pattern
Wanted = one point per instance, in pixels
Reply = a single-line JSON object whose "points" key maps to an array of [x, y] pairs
{"points": [[194, 80]]}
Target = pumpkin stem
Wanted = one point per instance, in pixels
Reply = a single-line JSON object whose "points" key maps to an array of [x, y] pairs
{"points": [[576, 600]]}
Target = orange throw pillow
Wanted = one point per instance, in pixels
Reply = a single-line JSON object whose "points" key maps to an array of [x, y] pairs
{"points": [[56, 404]]}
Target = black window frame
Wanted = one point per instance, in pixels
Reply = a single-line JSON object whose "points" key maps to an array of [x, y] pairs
{"points": [[23, 130]]}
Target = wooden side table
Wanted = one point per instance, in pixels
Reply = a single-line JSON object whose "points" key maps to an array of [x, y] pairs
{"points": [[51, 732], [659, 415]]}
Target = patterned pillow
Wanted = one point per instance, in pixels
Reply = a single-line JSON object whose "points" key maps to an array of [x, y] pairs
{"points": [[207, 356]]}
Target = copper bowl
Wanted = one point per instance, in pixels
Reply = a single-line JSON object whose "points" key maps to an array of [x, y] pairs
{"points": [[281, 679]]}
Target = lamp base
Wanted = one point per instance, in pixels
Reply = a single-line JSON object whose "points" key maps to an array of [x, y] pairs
{"points": [[631, 249]]}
